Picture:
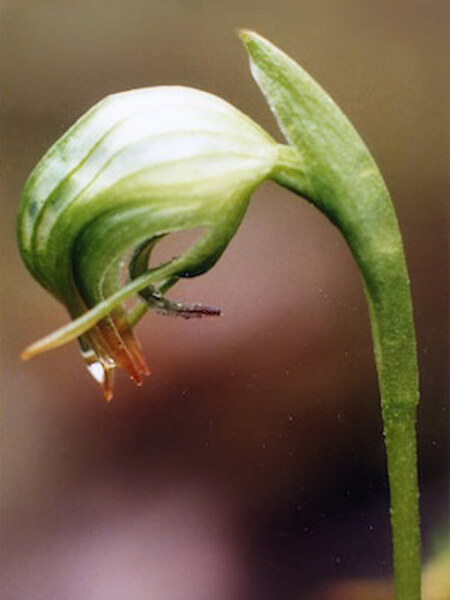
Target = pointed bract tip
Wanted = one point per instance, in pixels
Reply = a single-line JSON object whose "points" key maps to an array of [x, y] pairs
{"points": [[246, 34]]}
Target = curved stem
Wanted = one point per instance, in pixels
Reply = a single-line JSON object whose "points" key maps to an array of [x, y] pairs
{"points": [[387, 290], [339, 176]]}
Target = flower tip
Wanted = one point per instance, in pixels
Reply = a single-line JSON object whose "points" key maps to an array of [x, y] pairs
{"points": [[31, 351], [25, 355], [107, 394]]}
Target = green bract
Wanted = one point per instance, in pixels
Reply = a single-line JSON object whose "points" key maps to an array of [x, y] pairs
{"points": [[145, 163]]}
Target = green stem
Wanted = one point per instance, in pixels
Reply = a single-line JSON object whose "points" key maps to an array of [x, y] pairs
{"points": [[395, 353], [339, 176], [386, 286], [387, 290], [400, 440]]}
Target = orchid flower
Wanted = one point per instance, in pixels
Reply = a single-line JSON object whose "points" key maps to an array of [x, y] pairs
{"points": [[137, 166]]}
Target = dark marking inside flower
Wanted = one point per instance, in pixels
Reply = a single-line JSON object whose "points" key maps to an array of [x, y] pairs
{"points": [[167, 307]]}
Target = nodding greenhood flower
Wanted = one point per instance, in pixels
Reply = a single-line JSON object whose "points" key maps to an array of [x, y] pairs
{"points": [[137, 166]]}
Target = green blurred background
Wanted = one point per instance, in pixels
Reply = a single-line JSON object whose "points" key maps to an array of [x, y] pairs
{"points": [[250, 465]]}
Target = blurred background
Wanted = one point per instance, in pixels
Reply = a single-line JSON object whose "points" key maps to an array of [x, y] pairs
{"points": [[250, 465]]}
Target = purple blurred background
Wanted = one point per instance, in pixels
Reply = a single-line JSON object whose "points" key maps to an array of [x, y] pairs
{"points": [[250, 465]]}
